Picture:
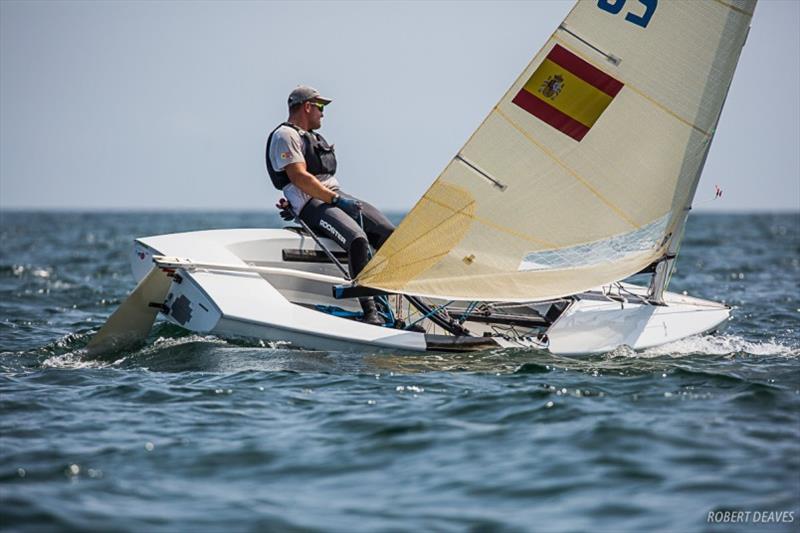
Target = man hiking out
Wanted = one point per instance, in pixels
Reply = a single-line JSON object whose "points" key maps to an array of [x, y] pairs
{"points": [[302, 164]]}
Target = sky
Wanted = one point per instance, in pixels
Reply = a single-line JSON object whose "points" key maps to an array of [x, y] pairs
{"points": [[166, 105]]}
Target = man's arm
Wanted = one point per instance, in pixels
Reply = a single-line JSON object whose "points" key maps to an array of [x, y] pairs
{"points": [[307, 182]]}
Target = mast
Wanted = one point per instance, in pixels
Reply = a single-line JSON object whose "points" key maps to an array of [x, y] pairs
{"points": [[666, 267]]}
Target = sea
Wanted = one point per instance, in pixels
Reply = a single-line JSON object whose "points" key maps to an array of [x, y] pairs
{"points": [[198, 433]]}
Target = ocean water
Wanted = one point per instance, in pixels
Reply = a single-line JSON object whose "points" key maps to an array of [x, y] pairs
{"points": [[196, 433]]}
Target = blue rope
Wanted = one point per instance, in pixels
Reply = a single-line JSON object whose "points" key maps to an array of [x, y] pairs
{"points": [[470, 308], [431, 313], [338, 311]]}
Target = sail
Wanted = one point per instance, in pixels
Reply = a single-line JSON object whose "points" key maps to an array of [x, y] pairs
{"points": [[584, 170]]}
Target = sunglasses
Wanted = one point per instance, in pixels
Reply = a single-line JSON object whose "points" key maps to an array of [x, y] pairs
{"points": [[319, 106]]}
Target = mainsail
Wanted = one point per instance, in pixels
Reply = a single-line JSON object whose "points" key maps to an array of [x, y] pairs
{"points": [[585, 170]]}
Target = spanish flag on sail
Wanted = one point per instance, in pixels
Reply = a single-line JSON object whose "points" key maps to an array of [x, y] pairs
{"points": [[568, 93]]}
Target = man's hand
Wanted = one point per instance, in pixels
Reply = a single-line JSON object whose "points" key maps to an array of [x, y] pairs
{"points": [[347, 205], [285, 210]]}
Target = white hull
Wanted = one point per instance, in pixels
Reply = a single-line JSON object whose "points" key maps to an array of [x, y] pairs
{"points": [[278, 307]]}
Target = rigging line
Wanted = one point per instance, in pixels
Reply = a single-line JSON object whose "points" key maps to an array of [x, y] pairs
{"points": [[474, 167], [621, 289], [734, 8], [573, 173], [639, 92], [471, 307], [430, 313]]}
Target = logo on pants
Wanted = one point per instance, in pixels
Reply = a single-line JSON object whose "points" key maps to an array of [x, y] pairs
{"points": [[330, 229]]}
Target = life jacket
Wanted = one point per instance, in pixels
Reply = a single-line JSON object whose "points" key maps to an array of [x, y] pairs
{"points": [[319, 155]]}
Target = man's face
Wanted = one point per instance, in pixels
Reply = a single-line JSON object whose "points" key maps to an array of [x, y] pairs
{"points": [[315, 113]]}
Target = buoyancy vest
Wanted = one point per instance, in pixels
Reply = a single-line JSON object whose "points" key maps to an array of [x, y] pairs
{"points": [[319, 155]]}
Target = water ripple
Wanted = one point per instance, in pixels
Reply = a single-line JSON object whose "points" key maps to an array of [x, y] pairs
{"points": [[192, 432]]}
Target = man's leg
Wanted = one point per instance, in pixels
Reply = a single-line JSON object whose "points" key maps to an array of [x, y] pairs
{"points": [[376, 225], [335, 224]]}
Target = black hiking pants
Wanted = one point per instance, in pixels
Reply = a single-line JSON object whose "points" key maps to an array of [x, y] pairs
{"points": [[344, 228]]}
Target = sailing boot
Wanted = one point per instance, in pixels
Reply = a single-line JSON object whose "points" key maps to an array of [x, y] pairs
{"points": [[371, 315]]}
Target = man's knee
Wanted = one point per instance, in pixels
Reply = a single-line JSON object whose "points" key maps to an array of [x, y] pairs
{"points": [[358, 255]]}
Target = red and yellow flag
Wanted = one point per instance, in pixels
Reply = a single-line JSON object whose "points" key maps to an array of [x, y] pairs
{"points": [[568, 93]]}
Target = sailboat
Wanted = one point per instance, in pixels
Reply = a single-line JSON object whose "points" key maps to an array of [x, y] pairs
{"points": [[580, 178]]}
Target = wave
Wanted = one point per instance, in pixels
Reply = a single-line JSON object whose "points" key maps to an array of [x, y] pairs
{"points": [[720, 345], [173, 349]]}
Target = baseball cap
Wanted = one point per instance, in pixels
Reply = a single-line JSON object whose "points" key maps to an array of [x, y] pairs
{"points": [[304, 93]]}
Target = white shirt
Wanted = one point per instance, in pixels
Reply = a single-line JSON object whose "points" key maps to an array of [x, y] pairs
{"points": [[287, 148]]}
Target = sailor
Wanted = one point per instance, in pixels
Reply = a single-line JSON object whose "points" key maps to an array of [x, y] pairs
{"points": [[302, 164]]}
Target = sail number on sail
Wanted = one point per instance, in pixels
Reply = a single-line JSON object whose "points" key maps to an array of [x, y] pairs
{"points": [[615, 6]]}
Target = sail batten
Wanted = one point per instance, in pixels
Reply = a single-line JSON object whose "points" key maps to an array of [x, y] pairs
{"points": [[580, 175], [481, 172], [609, 57], [737, 9]]}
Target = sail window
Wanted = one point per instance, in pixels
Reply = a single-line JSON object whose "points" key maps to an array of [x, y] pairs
{"points": [[608, 250]]}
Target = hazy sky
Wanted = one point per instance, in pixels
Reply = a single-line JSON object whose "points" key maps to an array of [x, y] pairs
{"points": [[157, 105]]}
